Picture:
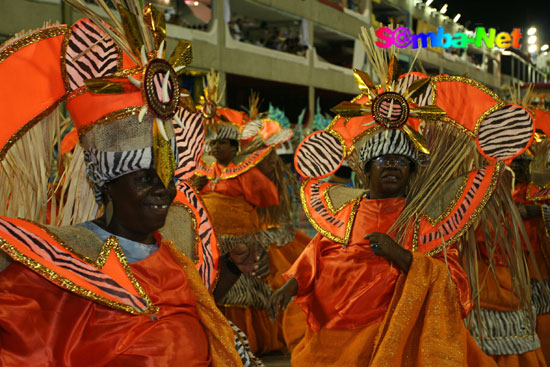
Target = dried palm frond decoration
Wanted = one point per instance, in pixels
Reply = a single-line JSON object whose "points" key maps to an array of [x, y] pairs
{"points": [[26, 169]]}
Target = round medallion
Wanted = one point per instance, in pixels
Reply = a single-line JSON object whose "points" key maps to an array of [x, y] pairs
{"points": [[162, 105], [390, 109], [209, 109]]}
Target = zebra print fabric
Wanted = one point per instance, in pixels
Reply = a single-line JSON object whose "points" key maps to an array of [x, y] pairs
{"points": [[452, 224], [90, 54], [319, 155], [243, 348], [189, 143], [320, 208], [546, 217], [248, 291], [505, 133], [405, 82], [540, 300], [80, 271], [389, 141], [106, 166], [207, 263], [502, 333]]}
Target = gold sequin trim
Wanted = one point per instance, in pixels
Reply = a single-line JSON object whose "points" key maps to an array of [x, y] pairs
{"points": [[78, 92], [538, 198], [102, 259], [473, 218], [62, 281], [449, 120], [451, 205], [499, 102], [64, 74], [111, 117], [328, 201], [319, 228], [29, 125], [254, 163], [33, 38], [195, 229], [415, 234]]}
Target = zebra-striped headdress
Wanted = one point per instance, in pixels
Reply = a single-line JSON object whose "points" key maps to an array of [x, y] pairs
{"points": [[390, 141], [227, 124]]}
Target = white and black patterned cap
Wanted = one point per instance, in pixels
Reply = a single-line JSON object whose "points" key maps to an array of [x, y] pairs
{"points": [[388, 141]]}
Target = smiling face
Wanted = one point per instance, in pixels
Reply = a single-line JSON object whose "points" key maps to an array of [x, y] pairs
{"points": [[140, 204], [224, 150], [388, 176]]}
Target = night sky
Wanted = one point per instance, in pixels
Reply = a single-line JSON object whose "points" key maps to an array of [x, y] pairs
{"points": [[502, 15]]}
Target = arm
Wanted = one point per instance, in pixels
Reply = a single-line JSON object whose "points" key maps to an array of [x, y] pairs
{"points": [[300, 278], [251, 260], [383, 245]]}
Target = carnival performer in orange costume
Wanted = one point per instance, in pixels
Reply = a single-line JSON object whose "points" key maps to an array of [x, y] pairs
{"points": [[381, 283], [287, 243], [511, 318], [234, 190], [114, 291]]}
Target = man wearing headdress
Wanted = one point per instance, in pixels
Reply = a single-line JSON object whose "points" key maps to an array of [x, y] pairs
{"points": [[118, 290]]}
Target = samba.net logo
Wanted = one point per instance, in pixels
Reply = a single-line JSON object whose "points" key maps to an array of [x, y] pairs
{"points": [[402, 37]]}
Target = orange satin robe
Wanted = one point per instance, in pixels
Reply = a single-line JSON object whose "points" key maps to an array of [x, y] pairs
{"points": [[43, 325], [350, 288], [252, 185]]}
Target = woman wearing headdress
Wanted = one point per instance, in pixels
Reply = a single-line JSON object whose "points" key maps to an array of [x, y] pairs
{"points": [[381, 283], [113, 291]]}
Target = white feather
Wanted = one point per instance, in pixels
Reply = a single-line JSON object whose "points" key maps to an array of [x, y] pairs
{"points": [[142, 113], [161, 50], [143, 56], [178, 120], [135, 82], [165, 96], [160, 125], [179, 68]]}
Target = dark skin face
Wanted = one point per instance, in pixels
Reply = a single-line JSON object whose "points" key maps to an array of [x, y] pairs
{"points": [[388, 176], [140, 205], [223, 151]]}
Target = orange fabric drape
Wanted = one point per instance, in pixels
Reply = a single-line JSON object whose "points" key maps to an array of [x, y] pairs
{"points": [[369, 279], [252, 185], [44, 325], [421, 328]]}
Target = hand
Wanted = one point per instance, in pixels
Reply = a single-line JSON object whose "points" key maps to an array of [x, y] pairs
{"points": [[522, 210], [262, 269], [198, 182], [251, 260], [281, 298], [382, 245]]}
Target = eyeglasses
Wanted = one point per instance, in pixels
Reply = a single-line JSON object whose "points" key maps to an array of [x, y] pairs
{"points": [[392, 162]]}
